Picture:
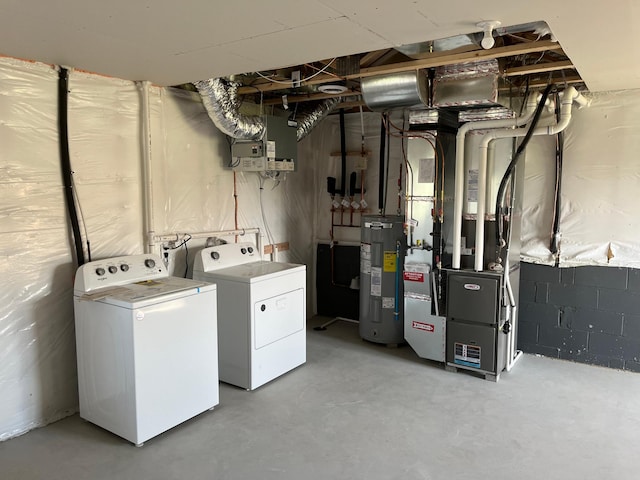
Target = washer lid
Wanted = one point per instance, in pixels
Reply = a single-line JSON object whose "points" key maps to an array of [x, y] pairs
{"points": [[148, 292], [254, 271]]}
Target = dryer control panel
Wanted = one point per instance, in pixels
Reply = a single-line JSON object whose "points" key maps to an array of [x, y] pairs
{"points": [[116, 271], [223, 256]]}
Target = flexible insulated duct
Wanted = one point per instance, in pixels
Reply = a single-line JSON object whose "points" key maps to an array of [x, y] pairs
{"points": [[307, 120], [220, 98]]}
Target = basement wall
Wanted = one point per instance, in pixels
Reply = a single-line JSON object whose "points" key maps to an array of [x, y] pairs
{"points": [[192, 189]]}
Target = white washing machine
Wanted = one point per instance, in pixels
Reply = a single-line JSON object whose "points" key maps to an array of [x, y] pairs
{"points": [[261, 313], [147, 346]]}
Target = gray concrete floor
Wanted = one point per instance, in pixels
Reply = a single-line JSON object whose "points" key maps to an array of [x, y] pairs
{"points": [[357, 410]]}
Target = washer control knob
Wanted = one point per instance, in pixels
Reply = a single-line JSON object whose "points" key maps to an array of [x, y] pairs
{"points": [[124, 267], [215, 255], [243, 250], [113, 269], [100, 271], [149, 263], [250, 249]]}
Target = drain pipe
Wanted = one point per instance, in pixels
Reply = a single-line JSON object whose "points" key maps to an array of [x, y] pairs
{"points": [[147, 181], [569, 96], [459, 168]]}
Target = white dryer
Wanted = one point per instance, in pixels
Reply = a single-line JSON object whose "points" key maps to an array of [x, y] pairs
{"points": [[146, 346], [261, 313]]}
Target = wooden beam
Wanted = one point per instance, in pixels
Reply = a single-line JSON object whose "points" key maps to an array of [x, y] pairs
{"points": [[538, 68], [372, 57], [440, 59], [434, 60], [272, 87], [542, 82], [308, 98]]}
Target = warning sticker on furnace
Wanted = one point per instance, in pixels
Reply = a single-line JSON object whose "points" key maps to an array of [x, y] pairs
{"points": [[389, 261]]}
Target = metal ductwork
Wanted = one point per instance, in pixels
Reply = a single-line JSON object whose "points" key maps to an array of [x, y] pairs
{"points": [[468, 84], [396, 90], [221, 100]]}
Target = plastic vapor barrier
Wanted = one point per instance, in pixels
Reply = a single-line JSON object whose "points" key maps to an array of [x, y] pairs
{"points": [[192, 192], [599, 222]]}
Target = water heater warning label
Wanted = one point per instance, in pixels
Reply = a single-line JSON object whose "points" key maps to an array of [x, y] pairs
{"points": [[390, 261], [427, 327]]}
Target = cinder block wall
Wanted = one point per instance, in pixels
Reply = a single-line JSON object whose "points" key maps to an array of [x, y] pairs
{"points": [[585, 314]]}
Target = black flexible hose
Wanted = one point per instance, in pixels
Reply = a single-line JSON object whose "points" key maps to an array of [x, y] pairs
{"points": [[554, 244], [514, 162], [343, 156], [383, 137], [65, 161]]}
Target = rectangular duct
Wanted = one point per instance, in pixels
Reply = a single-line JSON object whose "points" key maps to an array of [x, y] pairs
{"points": [[464, 85]]}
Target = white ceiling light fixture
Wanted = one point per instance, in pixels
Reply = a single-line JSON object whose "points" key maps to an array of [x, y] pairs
{"points": [[332, 89], [487, 27]]}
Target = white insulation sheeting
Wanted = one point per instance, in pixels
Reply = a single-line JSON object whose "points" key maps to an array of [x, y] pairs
{"points": [[599, 219], [192, 191]]}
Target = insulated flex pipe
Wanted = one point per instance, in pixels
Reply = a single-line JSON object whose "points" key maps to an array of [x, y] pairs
{"points": [[459, 169], [65, 161]]}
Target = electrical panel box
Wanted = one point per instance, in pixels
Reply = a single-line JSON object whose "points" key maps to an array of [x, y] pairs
{"points": [[276, 151]]}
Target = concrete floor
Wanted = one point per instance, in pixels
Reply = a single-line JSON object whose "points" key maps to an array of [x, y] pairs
{"points": [[363, 411]]}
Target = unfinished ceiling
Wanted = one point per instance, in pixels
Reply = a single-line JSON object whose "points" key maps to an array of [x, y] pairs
{"points": [[172, 43]]}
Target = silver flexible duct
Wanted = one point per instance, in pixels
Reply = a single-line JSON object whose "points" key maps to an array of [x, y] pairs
{"points": [[220, 99], [308, 120]]}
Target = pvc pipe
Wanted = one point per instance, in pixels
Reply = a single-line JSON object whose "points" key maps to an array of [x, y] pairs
{"points": [[176, 237], [459, 168], [569, 96], [146, 168]]}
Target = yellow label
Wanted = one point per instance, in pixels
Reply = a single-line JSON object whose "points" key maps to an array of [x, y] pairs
{"points": [[390, 261]]}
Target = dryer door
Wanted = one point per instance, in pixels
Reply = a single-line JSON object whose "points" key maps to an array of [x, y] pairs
{"points": [[278, 317]]}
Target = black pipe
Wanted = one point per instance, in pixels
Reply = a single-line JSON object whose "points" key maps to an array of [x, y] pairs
{"points": [[514, 161], [555, 231], [343, 152], [65, 161], [383, 137]]}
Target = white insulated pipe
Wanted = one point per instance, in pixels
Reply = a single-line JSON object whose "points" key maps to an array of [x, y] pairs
{"points": [[147, 181], [459, 168], [568, 96]]}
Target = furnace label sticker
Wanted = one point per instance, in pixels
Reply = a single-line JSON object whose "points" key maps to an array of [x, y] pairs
{"points": [[467, 355], [415, 272], [425, 327], [376, 281], [388, 302], [389, 261]]}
